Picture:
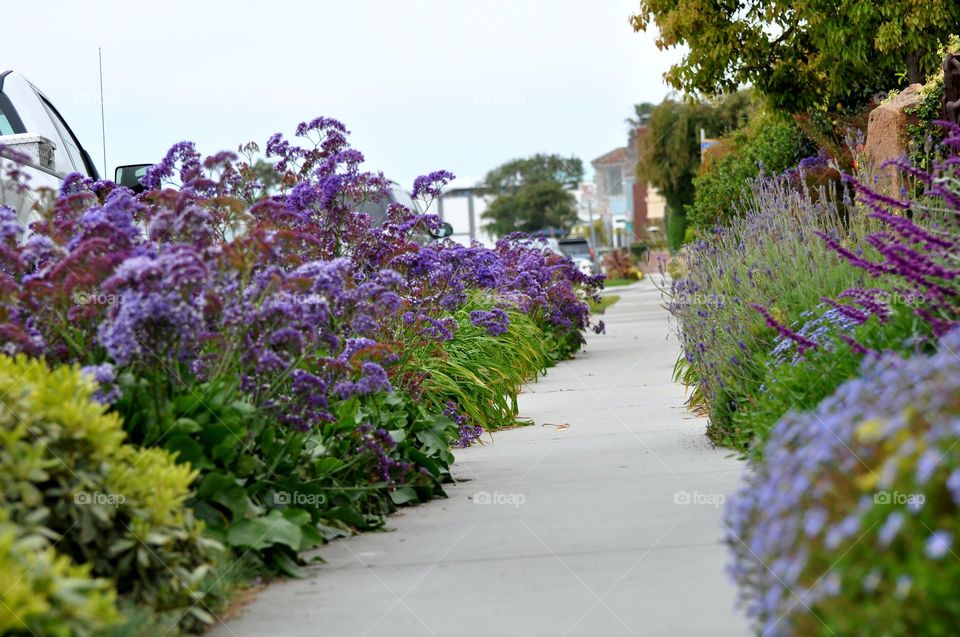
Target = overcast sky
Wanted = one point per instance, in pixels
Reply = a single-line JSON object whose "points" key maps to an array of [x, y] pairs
{"points": [[421, 84]]}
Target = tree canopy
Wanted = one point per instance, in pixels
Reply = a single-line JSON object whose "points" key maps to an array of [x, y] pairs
{"points": [[671, 149], [801, 54], [514, 174], [533, 194]]}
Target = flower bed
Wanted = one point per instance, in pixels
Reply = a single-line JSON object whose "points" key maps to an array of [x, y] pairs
{"points": [[822, 335], [308, 369]]}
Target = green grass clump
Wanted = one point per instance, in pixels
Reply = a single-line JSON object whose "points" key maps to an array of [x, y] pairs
{"points": [[482, 373], [599, 307]]}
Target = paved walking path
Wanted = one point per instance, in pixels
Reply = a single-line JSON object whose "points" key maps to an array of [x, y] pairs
{"points": [[599, 521]]}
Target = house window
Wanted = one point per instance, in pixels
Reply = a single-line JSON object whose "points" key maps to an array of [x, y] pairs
{"points": [[614, 178]]}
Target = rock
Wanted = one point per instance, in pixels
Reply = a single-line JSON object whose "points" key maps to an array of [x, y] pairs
{"points": [[887, 137], [951, 87]]}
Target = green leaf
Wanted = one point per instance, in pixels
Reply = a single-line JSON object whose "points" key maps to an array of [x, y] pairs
{"points": [[188, 450], [223, 489], [347, 514], [403, 495], [286, 564], [265, 531]]}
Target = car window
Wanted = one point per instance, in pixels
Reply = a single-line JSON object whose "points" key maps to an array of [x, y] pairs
{"points": [[6, 128], [69, 143], [9, 120], [376, 209], [575, 248]]}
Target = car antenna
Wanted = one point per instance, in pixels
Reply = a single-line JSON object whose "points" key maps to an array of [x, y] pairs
{"points": [[103, 126]]}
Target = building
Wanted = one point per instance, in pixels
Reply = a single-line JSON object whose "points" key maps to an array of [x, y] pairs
{"points": [[632, 210], [462, 209]]}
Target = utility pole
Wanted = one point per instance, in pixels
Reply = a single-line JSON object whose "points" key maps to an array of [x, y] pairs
{"points": [[103, 125]]}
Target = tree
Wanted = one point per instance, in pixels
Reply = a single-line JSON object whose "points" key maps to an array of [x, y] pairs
{"points": [[533, 194], [801, 54], [513, 175], [670, 155], [533, 207]]}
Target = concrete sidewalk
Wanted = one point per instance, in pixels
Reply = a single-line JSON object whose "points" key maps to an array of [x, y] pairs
{"points": [[601, 520]]}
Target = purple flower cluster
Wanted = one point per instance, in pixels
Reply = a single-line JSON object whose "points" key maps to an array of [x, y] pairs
{"points": [[495, 321], [803, 343], [105, 377], [822, 330], [430, 186], [916, 248], [378, 443], [871, 476], [157, 311], [467, 434], [271, 283]]}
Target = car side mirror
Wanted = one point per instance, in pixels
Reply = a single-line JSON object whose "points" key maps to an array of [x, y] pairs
{"points": [[445, 231], [131, 175]]}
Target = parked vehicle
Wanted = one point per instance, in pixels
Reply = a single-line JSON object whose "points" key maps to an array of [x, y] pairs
{"points": [[378, 211], [579, 249], [31, 125]]}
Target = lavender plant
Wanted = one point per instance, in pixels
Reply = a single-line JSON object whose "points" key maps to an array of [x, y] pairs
{"points": [[916, 245], [767, 259]]}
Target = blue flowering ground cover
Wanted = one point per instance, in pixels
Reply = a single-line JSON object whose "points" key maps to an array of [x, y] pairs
{"points": [[849, 524]]}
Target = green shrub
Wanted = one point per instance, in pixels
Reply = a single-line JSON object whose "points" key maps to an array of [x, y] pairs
{"points": [[66, 473], [42, 593], [676, 229], [768, 144], [482, 373]]}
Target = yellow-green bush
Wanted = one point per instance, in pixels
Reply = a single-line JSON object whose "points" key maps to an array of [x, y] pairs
{"points": [[42, 593], [66, 474]]}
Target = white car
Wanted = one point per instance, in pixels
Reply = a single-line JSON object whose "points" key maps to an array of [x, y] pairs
{"points": [[31, 125]]}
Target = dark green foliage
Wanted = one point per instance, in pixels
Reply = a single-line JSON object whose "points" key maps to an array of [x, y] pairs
{"points": [[533, 207], [812, 55], [517, 173], [676, 229], [801, 386], [768, 144], [280, 491]]}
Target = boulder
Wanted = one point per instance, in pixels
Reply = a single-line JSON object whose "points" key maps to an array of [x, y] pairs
{"points": [[887, 137]]}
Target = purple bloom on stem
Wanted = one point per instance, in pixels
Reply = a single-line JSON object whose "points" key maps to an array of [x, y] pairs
{"points": [[430, 186]]}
